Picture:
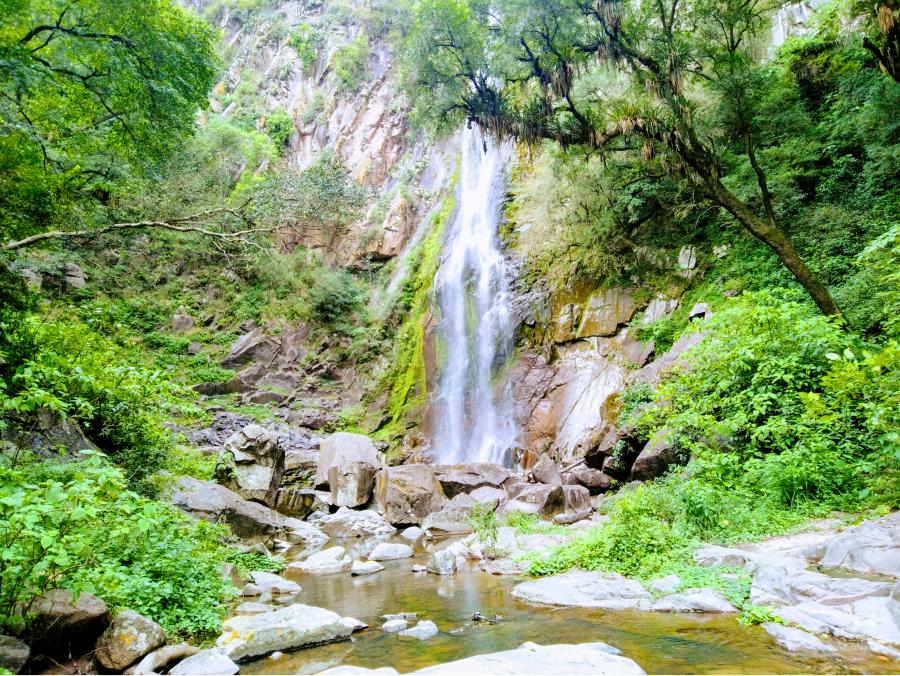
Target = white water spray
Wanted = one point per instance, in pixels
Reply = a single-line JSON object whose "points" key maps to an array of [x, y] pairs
{"points": [[474, 416]]}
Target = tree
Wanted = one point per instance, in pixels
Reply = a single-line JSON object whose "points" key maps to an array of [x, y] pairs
{"points": [[92, 91], [668, 79], [883, 38]]}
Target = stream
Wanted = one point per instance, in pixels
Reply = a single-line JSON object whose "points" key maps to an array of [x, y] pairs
{"points": [[659, 642]]}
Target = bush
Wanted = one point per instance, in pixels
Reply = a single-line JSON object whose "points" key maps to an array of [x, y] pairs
{"points": [[78, 373], [76, 525], [306, 40], [349, 63], [334, 296], [279, 127]]}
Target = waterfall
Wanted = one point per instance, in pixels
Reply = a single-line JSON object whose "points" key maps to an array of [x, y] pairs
{"points": [[473, 416]]}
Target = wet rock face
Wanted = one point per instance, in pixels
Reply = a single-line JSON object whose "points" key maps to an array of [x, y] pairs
{"points": [[128, 638], [252, 464], [406, 494]]}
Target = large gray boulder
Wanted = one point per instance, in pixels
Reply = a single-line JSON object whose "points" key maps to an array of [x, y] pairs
{"points": [[453, 519], [269, 585], [456, 479], [442, 562], [342, 449], [331, 560], [531, 659], [408, 493], [210, 662], [252, 464], [352, 483], [300, 465], [594, 480], [547, 500], [389, 551], [64, 626], [657, 456], [609, 591], [871, 548], [128, 638], [290, 628], [14, 654], [250, 521], [348, 523], [545, 471]]}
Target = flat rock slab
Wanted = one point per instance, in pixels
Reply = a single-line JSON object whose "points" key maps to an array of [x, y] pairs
{"points": [[365, 568], [796, 640], [694, 601], [206, 663], [530, 658], [584, 590], [349, 523], [871, 548], [296, 626]]}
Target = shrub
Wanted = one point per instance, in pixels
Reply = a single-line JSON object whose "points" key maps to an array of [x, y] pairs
{"points": [[279, 127], [349, 63], [76, 525], [306, 40], [334, 296]]}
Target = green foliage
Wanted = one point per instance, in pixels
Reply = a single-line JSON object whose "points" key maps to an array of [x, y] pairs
{"points": [[306, 41], [93, 92], [483, 520], [349, 63], [334, 296], [77, 526], [526, 523], [77, 373], [279, 127], [247, 562]]}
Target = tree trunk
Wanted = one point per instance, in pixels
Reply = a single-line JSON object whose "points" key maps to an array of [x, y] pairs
{"points": [[777, 241]]}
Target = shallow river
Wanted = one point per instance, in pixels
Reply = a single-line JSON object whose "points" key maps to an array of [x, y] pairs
{"points": [[658, 642]]}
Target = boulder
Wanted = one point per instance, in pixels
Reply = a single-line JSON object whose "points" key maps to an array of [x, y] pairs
{"points": [[342, 449], [270, 584], [300, 464], [699, 311], [412, 533], [208, 662], [870, 548], [295, 626], [531, 659], [609, 591], [488, 495], [14, 654], [182, 322], [348, 523], [456, 479], [694, 601], [796, 640], [331, 560], [253, 608], [666, 584], [442, 562], [656, 457], [156, 661], [423, 629], [687, 258], [616, 466], [252, 464], [354, 625], [389, 551], [352, 483], [250, 521], [73, 276], [254, 345], [545, 471], [127, 639], [593, 479], [453, 519], [64, 626], [365, 568], [408, 493], [538, 498], [298, 502], [393, 626]]}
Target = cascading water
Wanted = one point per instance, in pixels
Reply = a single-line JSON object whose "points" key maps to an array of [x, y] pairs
{"points": [[474, 417]]}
